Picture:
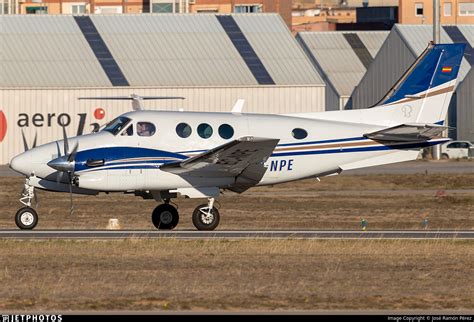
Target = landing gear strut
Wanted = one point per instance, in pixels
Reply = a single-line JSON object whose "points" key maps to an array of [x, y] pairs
{"points": [[27, 217], [165, 217], [206, 216]]}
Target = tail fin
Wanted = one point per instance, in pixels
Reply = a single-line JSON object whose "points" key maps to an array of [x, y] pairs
{"points": [[424, 92]]}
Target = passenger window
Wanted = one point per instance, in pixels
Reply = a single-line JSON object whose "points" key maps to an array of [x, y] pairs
{"points": [[299, 134], [205, 130], [226, 131], [128, 131], [145, 129], [183, 130]]}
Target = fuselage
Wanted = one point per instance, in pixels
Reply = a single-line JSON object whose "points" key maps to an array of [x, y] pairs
{"points": [[122, 159]]}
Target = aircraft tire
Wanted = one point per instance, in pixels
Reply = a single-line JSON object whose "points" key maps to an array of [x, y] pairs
{"points": [[202, 222], [165, 217], [26, 218]]}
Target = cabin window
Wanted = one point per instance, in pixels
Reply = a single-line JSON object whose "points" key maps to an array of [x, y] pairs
{"points": [[299, 134], [205, 130], [226, 131], [145, 129], [183, 130]]}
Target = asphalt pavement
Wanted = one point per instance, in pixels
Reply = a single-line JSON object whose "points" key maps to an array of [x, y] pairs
{"points": [[236, 234]]}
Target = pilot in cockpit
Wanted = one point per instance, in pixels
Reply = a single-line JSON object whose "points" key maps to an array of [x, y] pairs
{"points": [[145, 129]]}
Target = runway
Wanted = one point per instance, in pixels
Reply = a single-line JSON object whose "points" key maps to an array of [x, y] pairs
{"points": [[236, 235]]}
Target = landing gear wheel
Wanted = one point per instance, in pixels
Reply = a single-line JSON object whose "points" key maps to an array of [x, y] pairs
{"points": [[26, 218], [165, 217], [205, 220]]}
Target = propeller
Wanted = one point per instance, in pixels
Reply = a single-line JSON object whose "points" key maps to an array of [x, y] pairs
{"points": [[25, 143], [66, 164]]}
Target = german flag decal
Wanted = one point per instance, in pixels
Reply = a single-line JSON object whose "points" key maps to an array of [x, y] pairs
{"points": [[446, 69]]}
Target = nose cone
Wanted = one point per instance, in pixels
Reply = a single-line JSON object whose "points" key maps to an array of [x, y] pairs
{"points": [[62, 164], [22, 164]]}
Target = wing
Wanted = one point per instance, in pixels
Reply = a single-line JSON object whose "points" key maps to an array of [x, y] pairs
{"points": [[407, 133], [242, 158]]}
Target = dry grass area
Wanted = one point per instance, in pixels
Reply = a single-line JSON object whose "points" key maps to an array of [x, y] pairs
{"points": [[385, 201], [236, 275]]}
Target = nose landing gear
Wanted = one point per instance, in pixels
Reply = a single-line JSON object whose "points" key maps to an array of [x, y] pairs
{"points": [[26, 217]]}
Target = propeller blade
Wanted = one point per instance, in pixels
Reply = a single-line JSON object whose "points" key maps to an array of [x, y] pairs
{"points": [[66, 143], [58, 149], [34, 141], [72, 155], [59, 178], [71, 209], [25, 143]]}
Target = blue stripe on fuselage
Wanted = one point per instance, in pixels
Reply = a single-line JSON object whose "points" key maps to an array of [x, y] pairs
{"points": [[401, 146], [120, 153]]}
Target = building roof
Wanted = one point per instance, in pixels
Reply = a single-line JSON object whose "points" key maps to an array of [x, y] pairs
{"points": [[342, 57], [150, 50]]}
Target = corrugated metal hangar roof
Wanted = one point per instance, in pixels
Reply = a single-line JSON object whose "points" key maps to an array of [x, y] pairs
{"points": [[342, 58], [151, 50]]}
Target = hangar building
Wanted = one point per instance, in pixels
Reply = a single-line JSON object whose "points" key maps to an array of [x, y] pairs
{"points": [[47, 62], [342, 59]]}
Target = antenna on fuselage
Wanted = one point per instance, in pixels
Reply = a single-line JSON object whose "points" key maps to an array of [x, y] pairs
{"points": [[238, 107], [137, 100]]}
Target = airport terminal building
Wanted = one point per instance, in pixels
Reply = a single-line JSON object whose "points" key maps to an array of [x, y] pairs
{"points": [[48, 62]]}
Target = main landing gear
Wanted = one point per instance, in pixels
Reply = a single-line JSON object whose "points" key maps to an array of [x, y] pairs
{"points": [[26, 217], [165, 217], [205, 216]]}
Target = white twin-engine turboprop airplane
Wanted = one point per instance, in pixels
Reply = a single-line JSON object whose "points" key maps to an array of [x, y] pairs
{"points": [[163, 154]]}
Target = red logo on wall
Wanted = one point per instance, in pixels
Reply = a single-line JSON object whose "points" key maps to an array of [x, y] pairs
{"points": [[99, 113], [3, 126]]}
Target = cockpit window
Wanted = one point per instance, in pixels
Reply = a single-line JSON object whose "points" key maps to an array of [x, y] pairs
{"points": [[116, 125], [128, 131], [145, 129]]}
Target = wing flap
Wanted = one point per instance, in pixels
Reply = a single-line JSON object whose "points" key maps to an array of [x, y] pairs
{"points": [[408, 133]]}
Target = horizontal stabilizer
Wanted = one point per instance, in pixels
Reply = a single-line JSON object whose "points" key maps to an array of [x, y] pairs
{"points": [[414, 132]]}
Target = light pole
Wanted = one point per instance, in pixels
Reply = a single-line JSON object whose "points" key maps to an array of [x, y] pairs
{"points": [[436, 22]]}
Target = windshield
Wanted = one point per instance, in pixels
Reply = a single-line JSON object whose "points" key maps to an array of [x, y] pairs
{"points": [[116, 125]]}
